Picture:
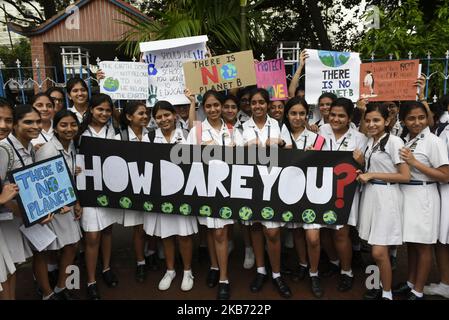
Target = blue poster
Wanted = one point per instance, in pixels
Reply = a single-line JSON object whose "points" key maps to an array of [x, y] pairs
{"points": [[44, 187]]}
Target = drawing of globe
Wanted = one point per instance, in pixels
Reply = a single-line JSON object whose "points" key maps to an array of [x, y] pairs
{"points": [[330, 217], [308, 216], [167, 207], [205, 211], [147, 206], [125, 202], [53, 184], [245, 213], [333, 58], [267, 213], [228, 71], [185, 209], [225, 213], [287, 216]]}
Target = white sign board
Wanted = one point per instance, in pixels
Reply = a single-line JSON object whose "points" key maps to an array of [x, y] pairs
{"points": [[332, 71], [165, 73], [125, 80]]}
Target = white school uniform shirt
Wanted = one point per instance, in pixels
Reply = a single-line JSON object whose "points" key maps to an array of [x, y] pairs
{"points": [[242, 117], [176, 137], [64, 226], [443, 236], [152, 125], [44, 136], [397, 128], [181, 123], [422, 203], [18, 246], [270, 130], [381, 210], [444, 118], [78, 114], [306, 139], [94, 218], [132, 136], [224, 136]]}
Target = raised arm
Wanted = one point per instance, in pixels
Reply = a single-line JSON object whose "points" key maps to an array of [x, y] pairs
{"points": [[295, 80]]}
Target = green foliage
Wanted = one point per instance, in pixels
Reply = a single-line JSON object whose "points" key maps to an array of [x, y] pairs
{"points": [[21, 51]]}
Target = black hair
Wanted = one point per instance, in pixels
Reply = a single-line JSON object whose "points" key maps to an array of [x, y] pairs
{"points": [[244, 91], [346, 104], [293, 102], [263, 92], [20, 111], [53, 89], [405, 109], [129, 109], [5, 104], [162, 105], [444, 102], [41, 94], [300, 87], [217, 95], [95, 101], [73, 81], [62, 114], [233, 98], [329, 95]]}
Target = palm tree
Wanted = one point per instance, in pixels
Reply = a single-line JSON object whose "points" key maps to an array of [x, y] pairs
{"points": [[224, 22]]}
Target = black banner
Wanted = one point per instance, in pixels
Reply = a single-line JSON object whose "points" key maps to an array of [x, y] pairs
{"points": [[247, 183]]}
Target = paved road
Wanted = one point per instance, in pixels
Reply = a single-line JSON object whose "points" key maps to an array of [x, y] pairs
{"points": [[124, 265]]}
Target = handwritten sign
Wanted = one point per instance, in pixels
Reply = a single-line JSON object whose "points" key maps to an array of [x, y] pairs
{"points": [[124, 80], [165, 59], [45, 187], [271, 76], [225, 72], [389, 81], [332, 71]]}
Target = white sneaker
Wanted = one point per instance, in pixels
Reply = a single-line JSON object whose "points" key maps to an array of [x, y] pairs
{"points": [[187, 281], [437, 289], [249, 261], [165, 283]]}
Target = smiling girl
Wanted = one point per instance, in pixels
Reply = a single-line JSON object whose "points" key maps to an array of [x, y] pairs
{"points": [[78, 93], [44, 104]]}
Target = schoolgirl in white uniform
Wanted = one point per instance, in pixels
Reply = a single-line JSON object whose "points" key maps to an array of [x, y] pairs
{"points": [[171, 227], [133, 121], [26, 126], [44, 104], [213, 131], [340, 136], [298, 137], [324, 103], [427, 156], [97, 222], [380, 213], [64, 225], [264, 131]]}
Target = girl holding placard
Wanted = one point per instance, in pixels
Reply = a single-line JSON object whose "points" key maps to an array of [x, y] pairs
{"points": [[97, 222]]}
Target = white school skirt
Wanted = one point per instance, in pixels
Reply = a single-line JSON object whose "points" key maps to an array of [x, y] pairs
{"points": [[266, 224], [6, 263], [421, 213], [66, 229], [16, 243], [214, 223], [97, 219], [132, 218], [166, 225], [380, 216], [444, 215]]}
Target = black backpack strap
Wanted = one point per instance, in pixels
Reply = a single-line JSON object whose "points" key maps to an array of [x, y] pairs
{"points": [[441, 127], [151, 135], [185, 133], [124, 135]]}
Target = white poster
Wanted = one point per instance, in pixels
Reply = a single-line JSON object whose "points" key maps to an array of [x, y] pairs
{"points": [[332, 71], [124, 80], [165, 73]]}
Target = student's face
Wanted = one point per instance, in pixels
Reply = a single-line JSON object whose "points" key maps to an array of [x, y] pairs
{"points": [[416, 121], [276, 110], [45, 108], [182, 111], [392, 110], [375, 124], [29, 126], [245, 103], [139, 118], [301, 93], [5, 122], [67, 128], [165, 119], [78, 94], [101, 113], [259, 106], [58, 100], [325, 105], [229, 110], [338, 118], [212, 108], [297, 116]]}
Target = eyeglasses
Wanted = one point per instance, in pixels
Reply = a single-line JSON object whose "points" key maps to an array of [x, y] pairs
{"points": [[57, 100], [244, 100]]}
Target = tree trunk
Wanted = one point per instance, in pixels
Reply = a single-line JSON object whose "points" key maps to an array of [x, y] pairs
{"points": [[243, 28], [319, 25]]}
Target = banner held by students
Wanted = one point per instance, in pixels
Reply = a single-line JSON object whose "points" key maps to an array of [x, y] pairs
{"points": [[165, 59], [214, 181], [389, 81], [225, 72], [124, 80], [270, 75], [332, 71], [44, 187]]}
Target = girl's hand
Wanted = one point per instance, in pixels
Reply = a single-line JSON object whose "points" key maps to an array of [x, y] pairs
{"points": [[358, 156], [274, 142], [364, 177], [361, 104], [421, 84], [408, 156], [38, 146], [302, 57], [48, 219], [189, 95], [100, 75], [8, 193], [64, 210], [77, 170], [78, 211], [313, 128], [206, 143]]}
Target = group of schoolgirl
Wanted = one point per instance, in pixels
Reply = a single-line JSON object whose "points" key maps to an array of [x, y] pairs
{"points": [[398, 200]]}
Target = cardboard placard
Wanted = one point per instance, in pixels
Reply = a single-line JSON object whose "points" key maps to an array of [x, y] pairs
{"points": [[270, 75], [225, 72]]}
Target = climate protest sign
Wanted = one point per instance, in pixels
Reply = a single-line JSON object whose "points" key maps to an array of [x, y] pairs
{"points": [[332, 71], [165, 59], [45, 187], [225, 72], [270, 75], [214, 181]]}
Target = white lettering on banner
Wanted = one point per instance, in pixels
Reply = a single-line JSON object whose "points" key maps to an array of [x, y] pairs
{"points": [[237, 181], [113, 174], [268, 180], [139, 181], [323, 194], [95, 172], [218, 172], [172, 178], [291, 176], [196, 180]]}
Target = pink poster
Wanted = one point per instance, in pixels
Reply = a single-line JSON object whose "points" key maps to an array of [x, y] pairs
{"points": [[271, 76]]}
